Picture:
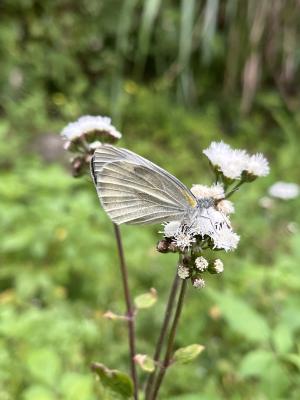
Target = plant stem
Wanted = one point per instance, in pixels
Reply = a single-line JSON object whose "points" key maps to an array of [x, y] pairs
{"points": [[170, 343], [130, 310], [163, 332]]}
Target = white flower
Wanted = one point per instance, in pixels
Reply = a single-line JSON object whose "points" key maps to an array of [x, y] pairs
{"points": [[258, 165], [199, 283], [171, 228], [284, 190], [225, 239], [201, 263], [217, 152], [89, 124], [215, 191], [183, 272], [183, 238], [218, 266], [229, 161], [95, 145], [225, 206]]}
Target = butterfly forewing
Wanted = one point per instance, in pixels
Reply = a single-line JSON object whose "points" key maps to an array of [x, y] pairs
{"points": [[135, 191]]}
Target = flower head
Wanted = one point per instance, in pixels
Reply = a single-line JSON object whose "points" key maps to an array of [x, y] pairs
{"points": [[93, 130], [199, 283], [225, 206], [215, 191], [218, 266], [183, 272], [232, 163], [225, 239], [201, 263], [284, 190], [184, 238], [257, 165], [227, 160]]}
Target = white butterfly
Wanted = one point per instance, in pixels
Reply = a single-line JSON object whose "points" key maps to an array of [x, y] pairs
{"points": [[133, 190]]}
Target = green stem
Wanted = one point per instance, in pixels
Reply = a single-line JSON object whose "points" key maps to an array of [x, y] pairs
{"points": [[170, 342], [163, 332], [130, 310], [236, 187]]}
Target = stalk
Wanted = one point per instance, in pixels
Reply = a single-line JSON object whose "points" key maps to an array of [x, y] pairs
{"points": [[163, 332], [170, 342], [129, 310]]}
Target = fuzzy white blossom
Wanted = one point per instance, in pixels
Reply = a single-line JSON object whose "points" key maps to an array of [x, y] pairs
{"points": [[225, 206], [215, 191], [257, 165], [171, 228], [201, 263], [225, 239], [87, 124], [232, 163], [284, 190], [199, 283], [183, 272], [184, 238], [218, 266], [229, 161]]}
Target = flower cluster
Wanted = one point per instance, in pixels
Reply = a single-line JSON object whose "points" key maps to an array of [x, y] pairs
{"points": [[236, 164], [209, 226], [84, 136]]}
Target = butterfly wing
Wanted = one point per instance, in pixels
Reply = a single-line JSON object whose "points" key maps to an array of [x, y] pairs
{"points": [[133, 190]]}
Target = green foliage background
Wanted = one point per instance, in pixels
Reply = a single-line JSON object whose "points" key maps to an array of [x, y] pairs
{"points": [[174, 76]]}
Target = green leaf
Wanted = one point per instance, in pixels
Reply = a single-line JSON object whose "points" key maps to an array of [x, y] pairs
{"points": [[145, 362], [37, 392], [44, 365], [256, 363], [241, 317], [282, 339], [292, 359], [146, 300], [188, 353], [114, 380]]}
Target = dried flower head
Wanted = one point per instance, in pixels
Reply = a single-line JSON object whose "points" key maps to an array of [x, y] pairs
{"points": [[284, 190]]}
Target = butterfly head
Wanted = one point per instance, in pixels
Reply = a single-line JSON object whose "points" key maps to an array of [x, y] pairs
{"points": [[205, 202]]}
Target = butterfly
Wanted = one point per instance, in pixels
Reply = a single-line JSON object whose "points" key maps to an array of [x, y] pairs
{"points": [[133, 190]]}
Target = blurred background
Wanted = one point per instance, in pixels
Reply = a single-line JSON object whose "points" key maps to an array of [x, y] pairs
{"points": [[173, 75]]}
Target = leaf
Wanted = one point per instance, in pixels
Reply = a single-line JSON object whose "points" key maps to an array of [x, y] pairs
{"points": [[292, 359], [146, 300], [241, 317], [44, 365], [145, 362], [188, 353], [114, 380], [256, 363], [282, 339]]}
